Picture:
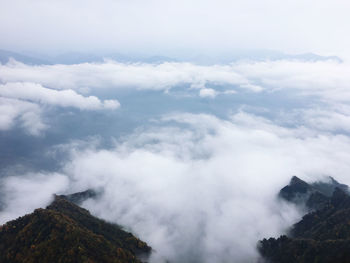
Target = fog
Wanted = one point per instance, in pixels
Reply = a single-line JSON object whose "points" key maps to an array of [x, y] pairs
{"points": [[202, 192], [188, 157]]}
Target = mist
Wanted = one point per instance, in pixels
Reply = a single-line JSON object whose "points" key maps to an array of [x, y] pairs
{"points": [[198, 188], [188, 156]]}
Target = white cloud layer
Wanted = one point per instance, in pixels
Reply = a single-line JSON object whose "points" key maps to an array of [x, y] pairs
{"points": [[203, 188], [27, 114], [329, 80], [211, 93], [29, 192], [326, 81], [22, 102], [205, 191], [63, 98], [112, 74]]}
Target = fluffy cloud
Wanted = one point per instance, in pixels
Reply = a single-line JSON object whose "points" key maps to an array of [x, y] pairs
{"points": [[112, 74], [199, 187], [27, 114], [211, 93], [194, 187], [327, 119], [22, 102], [64, 98], [329, 80], [26, 193], [207, 192]]}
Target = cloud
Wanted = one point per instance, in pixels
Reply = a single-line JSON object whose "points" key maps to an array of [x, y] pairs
{"points": [[113, 75], [193, 186], [330, 119], [206, 192], [325, 82], [211, 93], [197, 187], [23, 102], [63, 98], [23, 194], [328, 80], [27, 114]]}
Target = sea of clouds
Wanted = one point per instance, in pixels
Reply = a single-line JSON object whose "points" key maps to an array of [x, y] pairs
{"points": [[197, 187]]}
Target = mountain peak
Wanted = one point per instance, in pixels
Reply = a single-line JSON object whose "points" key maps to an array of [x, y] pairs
{"points": [[321, 236], [296, 190], [312, 195], [297, 181], [65, 232]]}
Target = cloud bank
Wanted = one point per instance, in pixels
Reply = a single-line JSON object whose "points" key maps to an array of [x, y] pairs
{"points": [[63, 98], [27, 114], [328, 80], [29, 192], [199, 188], [23, 103]]}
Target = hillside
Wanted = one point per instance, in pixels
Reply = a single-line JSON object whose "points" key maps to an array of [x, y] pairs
{"points": [[64, 232], [323, 234]]}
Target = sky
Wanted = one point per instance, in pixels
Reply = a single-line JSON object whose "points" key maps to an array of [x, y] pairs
{"points": [[156, 27], [187, 156]]}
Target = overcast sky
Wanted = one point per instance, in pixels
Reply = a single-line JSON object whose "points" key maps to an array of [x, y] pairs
{"points": [[170, 27]]}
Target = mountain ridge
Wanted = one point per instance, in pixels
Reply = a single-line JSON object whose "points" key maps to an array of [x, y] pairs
{"points": [[322, 235], [65, 232], [69, 58]]}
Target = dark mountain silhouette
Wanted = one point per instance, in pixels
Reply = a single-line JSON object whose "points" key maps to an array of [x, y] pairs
{"points": [[313, 196], [323, 235], [79, 197], [65, 232]]}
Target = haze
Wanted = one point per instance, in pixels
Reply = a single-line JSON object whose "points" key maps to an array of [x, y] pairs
{"points": [[156, 27]]}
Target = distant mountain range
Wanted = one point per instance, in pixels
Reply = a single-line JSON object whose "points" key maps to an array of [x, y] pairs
{"points": [[80, 57], [323, 234], [67, 233], [77, 58], [6, 55]]}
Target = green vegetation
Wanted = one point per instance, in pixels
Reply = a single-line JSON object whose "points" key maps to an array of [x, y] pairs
{"points": [[322, 236], [64, 232]]}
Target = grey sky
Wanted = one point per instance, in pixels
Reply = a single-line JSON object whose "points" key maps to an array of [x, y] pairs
{"points": [[167, 27]]}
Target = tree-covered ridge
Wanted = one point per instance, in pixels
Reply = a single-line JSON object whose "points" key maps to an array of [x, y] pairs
{"points": [[323, 235], [64, 232]]}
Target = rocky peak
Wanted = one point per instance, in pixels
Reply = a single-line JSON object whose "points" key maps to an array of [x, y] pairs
{"points": [[322, 235]]}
